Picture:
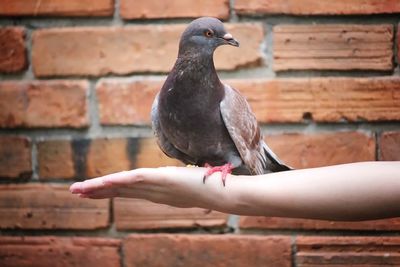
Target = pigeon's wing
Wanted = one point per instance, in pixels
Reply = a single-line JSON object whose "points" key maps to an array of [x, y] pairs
{"points": [[244, 130], [167, 147]]}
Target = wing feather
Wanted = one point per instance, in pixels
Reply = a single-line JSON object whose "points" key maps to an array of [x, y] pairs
{"points": [[244, 130]]}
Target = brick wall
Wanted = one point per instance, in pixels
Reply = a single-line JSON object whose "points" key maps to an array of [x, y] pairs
{"points": [[77, 82]]}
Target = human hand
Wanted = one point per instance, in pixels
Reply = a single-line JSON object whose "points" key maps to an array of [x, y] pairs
{"points": [[175, 186]]}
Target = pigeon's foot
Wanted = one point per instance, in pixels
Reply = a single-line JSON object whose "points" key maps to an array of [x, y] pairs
{"points": [[224, 169]]}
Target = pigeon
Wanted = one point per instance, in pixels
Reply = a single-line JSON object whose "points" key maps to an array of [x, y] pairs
{"points": [[201, 121]]}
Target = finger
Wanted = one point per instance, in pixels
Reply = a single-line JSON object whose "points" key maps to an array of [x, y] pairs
{"points": [[117, 192], [88, 185], [128, 177], [100, 194]]}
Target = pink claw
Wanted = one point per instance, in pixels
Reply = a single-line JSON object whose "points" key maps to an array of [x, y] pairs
{"points": [[224, 169]]}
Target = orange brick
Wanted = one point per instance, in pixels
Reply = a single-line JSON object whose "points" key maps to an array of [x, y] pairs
{"points": [[398, 45], [55, 158], [136, 214], [15, 157], [210, 250], [389, 146], [43, 104], [126, 102], [51, 251], [316, 150], [12, 49], [317, 7], [333, 47], [122, 50], [70, 8], [39, 206], [107, 155], [323, 99], [347, 251], [149, 155], [153, 9], [275, 223]]}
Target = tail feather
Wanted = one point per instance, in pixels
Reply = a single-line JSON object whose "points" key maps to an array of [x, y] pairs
{"points": [[272, 162]]}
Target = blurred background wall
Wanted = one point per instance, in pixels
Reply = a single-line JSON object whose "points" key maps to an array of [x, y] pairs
{"points": [[77, 81]]}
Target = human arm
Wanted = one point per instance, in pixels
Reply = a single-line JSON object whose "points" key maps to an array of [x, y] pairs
{"points": [[356, 191]]}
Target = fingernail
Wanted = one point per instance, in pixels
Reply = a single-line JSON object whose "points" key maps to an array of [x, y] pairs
{"points": [[75, 188]]}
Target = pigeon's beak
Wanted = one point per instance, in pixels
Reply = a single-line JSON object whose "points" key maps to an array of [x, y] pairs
{"points": [[228, 38]]}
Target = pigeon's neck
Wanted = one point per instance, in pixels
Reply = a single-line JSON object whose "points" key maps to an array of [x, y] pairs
{"points": [[197, 73]]}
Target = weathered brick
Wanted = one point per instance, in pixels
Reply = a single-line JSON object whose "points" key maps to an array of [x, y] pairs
{"points": [[39, 206], [317, 7], [51, 251], [153, 9], [137, 214], [122, 50], [107, 155], [323, 99], [347, 251], [389, 146], [70, 8], [123, 101], [398, 45], [55, 159], [43, 104], [87, 158], [12, 49], [15, 157], [333, 47], [274, 223], [149, 155], [209, 250], [316, 150], [126, 101]]}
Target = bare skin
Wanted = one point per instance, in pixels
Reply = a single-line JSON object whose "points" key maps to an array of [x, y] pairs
{"points": [[348, 192]]}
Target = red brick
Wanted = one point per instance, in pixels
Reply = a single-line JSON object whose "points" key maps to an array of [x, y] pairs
{"points": [[122, 50], [107, 155], [55, 159], [12, 49], [323, 99], [206, 250], [51, 251], [275, 223], [39, 206], [317, 7], [137, 214], [70, 8], [347, 251], [15, 157], [398, 45], [43, 104], [389, 146], [149, 155], [126, 101], [333, 47], [153, 9], [316, 150]]}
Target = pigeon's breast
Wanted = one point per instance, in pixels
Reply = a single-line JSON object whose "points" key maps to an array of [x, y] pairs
{"points": [[197, 129]]}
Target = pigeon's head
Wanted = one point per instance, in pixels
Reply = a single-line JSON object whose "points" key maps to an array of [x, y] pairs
{"points": [[204, 35]]}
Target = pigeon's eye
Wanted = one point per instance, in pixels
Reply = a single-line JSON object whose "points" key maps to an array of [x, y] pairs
{"points": [[208, 33]]}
